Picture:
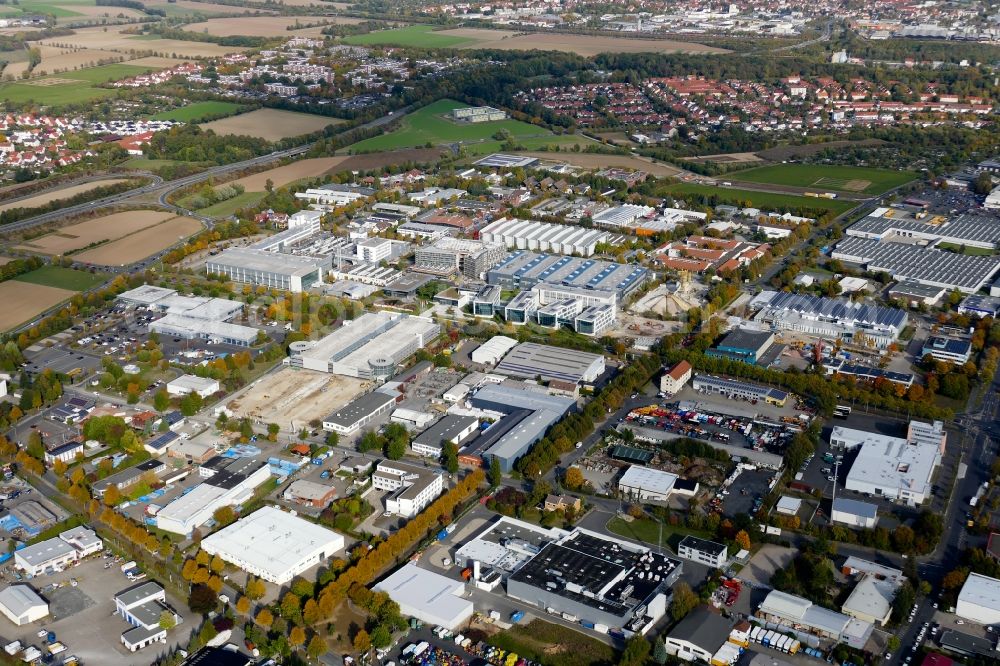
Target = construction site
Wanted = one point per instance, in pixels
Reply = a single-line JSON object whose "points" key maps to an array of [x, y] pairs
{"points": [[671, 300], [292, 397]]}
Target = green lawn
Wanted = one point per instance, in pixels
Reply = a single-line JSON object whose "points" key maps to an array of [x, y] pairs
{"points": [[430, 125], [82, 89], [198, 111], [764, 200], [230, 206], [823, 178], [148, 164], [529, 143], [412, 35], [972, 251], [42, 8], [105, 73], [63, 278], [645, 529]]}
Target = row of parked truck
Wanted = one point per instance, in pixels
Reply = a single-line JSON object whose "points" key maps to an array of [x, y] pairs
{"points": [[775, 640]]}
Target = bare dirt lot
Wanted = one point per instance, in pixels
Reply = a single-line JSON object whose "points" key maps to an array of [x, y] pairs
{"points": [[270, 124], [283, 175], [141, 244], [97, 230], [293, 397], [59, 193], [727, 158], [598, 161], [23, 300], [584, 45], [268, 26]]}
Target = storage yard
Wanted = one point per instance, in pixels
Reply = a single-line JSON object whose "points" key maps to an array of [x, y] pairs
{"points": [[295, 396]]}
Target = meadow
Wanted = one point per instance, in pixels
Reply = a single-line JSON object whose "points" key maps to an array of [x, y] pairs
{"points": [[199, 111], [270, 124], [423, 36], [69, 87], [430, 125], [63, 278], [766, 201], [823, 177]]}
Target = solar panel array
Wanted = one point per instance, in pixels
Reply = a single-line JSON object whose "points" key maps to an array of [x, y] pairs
{"points": [[924, 265]]}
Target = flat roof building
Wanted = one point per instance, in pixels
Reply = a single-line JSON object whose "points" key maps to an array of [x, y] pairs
{"points": [[428, 596], [916, 294], [412, 488], [491, 351], [265, 268], [191, 317], [359, 412], [21, 605], [743, 344], [231, 485], [948, 350], [703, 551], [523, 269], [893, 225], [871, 600], [735, 388], [646, 484], [369, 347], [851, 512], [543, 236], [310, 493], [979, 600], [185, 384], [450, 256], [273, 544], [530, 360], [790, 611], [450, 428]]}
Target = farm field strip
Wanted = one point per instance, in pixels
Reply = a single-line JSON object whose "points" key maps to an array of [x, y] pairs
{"points": [[141, 244], [59, 193], [23, 301], [270, 124], [424, 36], [96, 230], [63, 278], [268, 26], [763, 200], [197, 111]]}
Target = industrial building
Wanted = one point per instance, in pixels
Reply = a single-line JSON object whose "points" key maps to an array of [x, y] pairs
{"points": [[525, 415], [556, 307], [735, 388], [478, 114], [915, 294], [851, 512], [895, 468], [589, 577], [359, 412], [543, 237], [503, 161], [523, 269], [185, 384], [491, 351], [411, 488], [701, 253], [191, 317], [430, 597], [622, 216], [530, 360], [451, 428], [57, 553], [871, 600], [980, 306], [449, 256], [143, 607], [369, 347], [792, 612], [21, 605], [698, 636], [644, 484], [926, 266], [231, 482], [893, 225], [948, 350], [745, 345], [263, 268], [860, 324], [674, 379], [309, 493], [273, 544], [840, 366], [979, 600], [702, 551]]}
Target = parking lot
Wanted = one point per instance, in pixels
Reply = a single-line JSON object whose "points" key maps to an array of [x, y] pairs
{"points": [[62, 360], [93, 636]]}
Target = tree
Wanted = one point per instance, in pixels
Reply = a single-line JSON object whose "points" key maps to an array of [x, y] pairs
{"points": [[743, 540], [362, 642], [636, 651], [264, 618], [167, 620], [396, 449], [573, 479], [255, 589], [217, 564], [316, 647], [381, 637], [272, 431], [112, 496], [189, 569], [332, 439], [59, 468], [449, 457], [243, 605], [224, 515], [202, 599], [161, 401], [684, 601], [496, 476], [297, 637], [659, 651], [130, 442]]}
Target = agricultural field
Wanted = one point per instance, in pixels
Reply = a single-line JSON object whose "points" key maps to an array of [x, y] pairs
{"points": [[423, 36], [432, 124], [141, 244], [23, 301], [59, 193], [289, 173], [584, 45], [726, 158], [823, 177], [69, 87], [5, 260], [198, 111], [112, 39], [268, 26], [763, 200], [270, 124], [192, 8], [63, 278], [561, 141], [97, 230], [599, 161], [230, 206]]}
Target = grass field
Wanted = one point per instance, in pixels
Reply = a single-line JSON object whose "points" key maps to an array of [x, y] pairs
{"points": [[531, 143], [554, 645], [764, 200], [971, 251], [69, 87], [230, 206], [648, 530], [198, 111], [63, 278], [429, 124], [862, 180], [412, 35]]}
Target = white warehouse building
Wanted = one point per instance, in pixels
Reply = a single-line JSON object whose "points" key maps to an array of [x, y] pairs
{"points": [[543, 237], [645, 483], [427, 596], [273, 544], [979, 600]]}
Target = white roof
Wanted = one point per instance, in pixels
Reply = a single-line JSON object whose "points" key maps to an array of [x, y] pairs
{"points": [[498, 345], [427, 596], [870, 597], [648, 479], [982, 591], [272, 540], [890, 462], [194, 383], [789, 504], [19, 599]]}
